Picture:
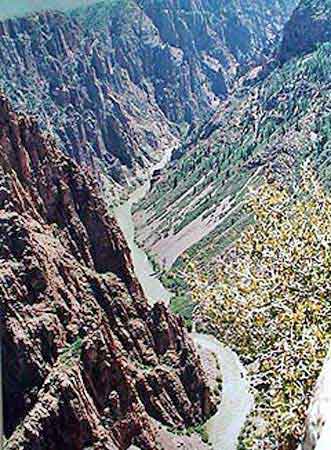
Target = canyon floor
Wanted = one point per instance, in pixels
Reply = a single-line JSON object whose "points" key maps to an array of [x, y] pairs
{"points": [[219, 361]]}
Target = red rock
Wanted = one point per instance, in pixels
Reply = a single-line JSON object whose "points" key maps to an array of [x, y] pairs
{"points": [[87, 362]]}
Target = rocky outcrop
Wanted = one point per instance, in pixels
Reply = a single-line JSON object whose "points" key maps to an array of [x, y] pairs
{"points": [[318, 429], [309, 26], [71, 75], [112, 79], [88, 363]]}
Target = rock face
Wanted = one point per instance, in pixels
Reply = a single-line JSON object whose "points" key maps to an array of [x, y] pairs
{"points": [[264, 132], [309, 26], [113, 79], [88, 363], [318, 430]]}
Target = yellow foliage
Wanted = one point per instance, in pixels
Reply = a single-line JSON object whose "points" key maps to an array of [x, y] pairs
{"points": [[270, 300]]}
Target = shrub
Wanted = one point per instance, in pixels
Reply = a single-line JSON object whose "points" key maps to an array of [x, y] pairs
{"points": [[270, 301]]}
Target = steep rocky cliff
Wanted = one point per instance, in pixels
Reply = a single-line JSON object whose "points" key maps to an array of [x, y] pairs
{"points": [[308, 27], [114, 78], [88, 364], [268, 129]]}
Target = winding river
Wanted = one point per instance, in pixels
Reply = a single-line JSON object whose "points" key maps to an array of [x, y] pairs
{"points": [[153, 288], [236, 403], [224, 427]]}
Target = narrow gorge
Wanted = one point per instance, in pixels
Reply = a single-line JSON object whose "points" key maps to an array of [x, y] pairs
{"points": [[118, 82], [165, 223], [224, 427], [83, 352]]}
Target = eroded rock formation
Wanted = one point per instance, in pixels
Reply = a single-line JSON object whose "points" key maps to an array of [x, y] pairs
{"points": [[88, 364], [113, 79]]}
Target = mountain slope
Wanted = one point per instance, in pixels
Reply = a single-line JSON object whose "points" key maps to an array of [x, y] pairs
{"points": [[88, 362], [266, 130], [196, 208], [309, 26], [114, 78]]}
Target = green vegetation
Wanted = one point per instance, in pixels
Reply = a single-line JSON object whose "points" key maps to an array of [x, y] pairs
{"points": [[183, 306], [97, 17], [181, 303], [270, 301], [201, 430], [318, 8], [71, 352], [197, 429], [265, 132]]}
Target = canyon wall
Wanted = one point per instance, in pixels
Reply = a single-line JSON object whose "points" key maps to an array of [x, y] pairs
{"points": [[88, 364], [308, 27], [116, 82]]}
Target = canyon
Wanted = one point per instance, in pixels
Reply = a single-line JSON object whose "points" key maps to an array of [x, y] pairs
{"points": [[266, 129], [131, 136], [87, 361], [119, 81], [219, 361]]}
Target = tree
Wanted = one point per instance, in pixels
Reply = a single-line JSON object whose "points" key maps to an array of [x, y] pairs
{"points": [[270, 300]]}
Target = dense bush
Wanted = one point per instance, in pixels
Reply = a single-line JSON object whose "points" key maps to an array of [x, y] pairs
{"points": [[270, 301]]}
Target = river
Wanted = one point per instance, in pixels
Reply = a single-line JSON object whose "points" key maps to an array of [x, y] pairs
{"points": [[224, 427], [153, 288], [236, 402]]}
